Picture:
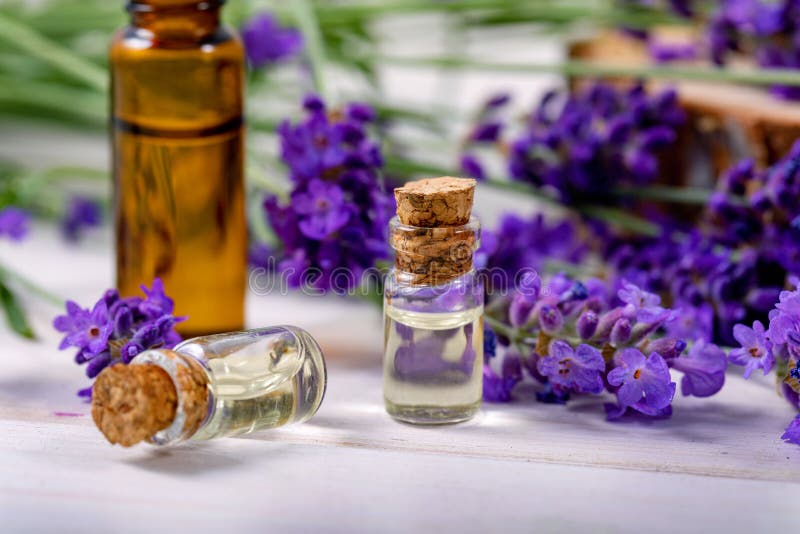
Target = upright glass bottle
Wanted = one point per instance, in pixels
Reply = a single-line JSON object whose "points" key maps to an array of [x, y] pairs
{"points": [[177, 135], [210, 387], [433, 306]]}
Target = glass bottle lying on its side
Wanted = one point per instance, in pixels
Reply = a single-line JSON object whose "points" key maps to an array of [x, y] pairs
{"points": [[209, 387]]}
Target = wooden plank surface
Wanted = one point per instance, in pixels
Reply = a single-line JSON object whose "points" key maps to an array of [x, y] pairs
{"points": [[716, 465]]}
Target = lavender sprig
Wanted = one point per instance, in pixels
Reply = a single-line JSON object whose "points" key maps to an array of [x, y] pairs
{"points": [[577, 338], [117, 329], [775, 347], [337, 217], [584, 146]]}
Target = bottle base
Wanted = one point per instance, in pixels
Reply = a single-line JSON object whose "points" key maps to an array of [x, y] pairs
{"points": [[432, 415]]}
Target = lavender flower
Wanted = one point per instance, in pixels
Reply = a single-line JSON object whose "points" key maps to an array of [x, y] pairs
{"points": [[644, 384], [579, 370], [336, 221], [703, 369], [581, 338], [756, 349], [792, 433], [14, 223], [81, 213], [525, 245], [117, 329], [267, 42], [595, 141]]}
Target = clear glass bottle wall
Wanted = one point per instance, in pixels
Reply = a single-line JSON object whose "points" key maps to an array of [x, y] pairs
{"points": [[256, 379], [433, 337]]}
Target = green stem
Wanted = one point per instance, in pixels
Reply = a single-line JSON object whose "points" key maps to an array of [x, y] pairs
{"points": [[88, 106], [59, 57], [589, 69], [308, 23], [30, 286]]}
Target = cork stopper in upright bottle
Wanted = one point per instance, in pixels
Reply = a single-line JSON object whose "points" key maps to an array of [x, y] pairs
{"points": [[132, 403], [435, 239]]}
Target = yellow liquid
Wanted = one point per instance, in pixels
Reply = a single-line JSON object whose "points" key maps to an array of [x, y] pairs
{"points": [[272, 381], [433, 365]]}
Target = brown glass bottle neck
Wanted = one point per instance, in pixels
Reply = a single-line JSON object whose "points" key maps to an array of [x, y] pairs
{"points": [[176, 18]]}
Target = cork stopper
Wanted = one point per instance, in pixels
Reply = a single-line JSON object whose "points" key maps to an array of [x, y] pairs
{"points": [[134, 403], [435, 202], [433, 234]]}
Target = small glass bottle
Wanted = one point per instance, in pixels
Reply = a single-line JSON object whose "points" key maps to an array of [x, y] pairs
{"points": [[210, 387], [177, 78], [433, 324]]}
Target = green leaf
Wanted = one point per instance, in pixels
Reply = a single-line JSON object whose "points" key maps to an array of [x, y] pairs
{"points": [[15, 316], [306, 18], [30, 41]]}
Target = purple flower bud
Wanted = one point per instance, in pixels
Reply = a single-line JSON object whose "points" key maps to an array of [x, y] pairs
{"points": [[497, 101], [313, 103], [98, 363], [551, 319], [486, 133], [668, 348], [472, 167], [587, 324], [130, 350], [360, 112], [621, 332]]}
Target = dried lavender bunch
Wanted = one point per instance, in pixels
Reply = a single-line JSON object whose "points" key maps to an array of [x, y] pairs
{"points": [[117, 329], [577, 338], [582, 146], [775, 347], [333, 227]]}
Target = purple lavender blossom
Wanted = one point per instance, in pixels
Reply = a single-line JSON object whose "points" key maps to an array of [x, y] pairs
{"points": [[756, 349], [526, 245], [646, 304], [14, 223], [117, 329], [498, 387], [267, 42], [792, 433], [81, 213], [597, 140], [336, 222], [703, 369], [577, 370], [644, 384]]}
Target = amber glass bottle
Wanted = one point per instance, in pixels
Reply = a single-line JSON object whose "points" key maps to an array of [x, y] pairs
{"points": [[177, 91]]}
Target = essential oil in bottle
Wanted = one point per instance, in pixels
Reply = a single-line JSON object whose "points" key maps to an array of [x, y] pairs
{"points": [[433, 306], [211, 387], [177, 135]]}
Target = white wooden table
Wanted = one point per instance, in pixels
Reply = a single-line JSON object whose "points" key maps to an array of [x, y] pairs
{"points": [[717, 465]]}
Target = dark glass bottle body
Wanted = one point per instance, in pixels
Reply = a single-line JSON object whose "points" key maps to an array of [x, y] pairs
{"points": [[177, 134]]}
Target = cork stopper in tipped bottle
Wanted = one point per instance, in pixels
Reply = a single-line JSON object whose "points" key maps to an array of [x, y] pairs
{"points": [[436, 240], [131, 403]]}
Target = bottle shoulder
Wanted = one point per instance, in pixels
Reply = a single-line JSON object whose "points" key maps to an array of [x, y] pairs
{"points": [[134, 42]]}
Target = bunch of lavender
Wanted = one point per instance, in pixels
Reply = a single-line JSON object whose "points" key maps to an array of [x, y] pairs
{"points": [[334, 226], [577, 338], [764, 30], [587, 145], [776, 347], [519, 244], [267, 43], [732, 268], [116, 329]]}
